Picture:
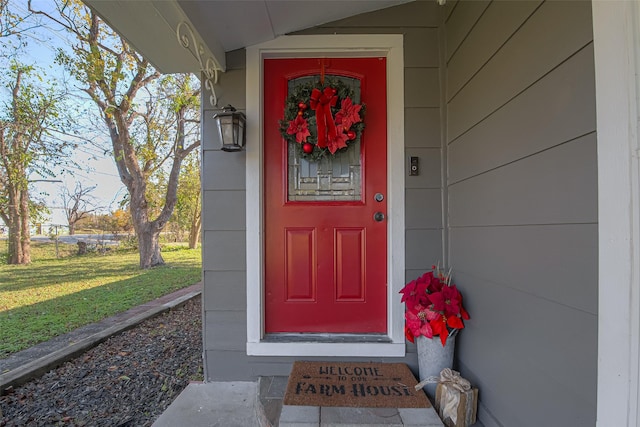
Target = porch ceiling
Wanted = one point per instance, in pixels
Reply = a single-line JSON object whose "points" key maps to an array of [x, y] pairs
{"points": [[220, 25]]}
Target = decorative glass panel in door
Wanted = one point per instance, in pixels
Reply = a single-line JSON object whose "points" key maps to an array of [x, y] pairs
{"points": [[332, 178]]}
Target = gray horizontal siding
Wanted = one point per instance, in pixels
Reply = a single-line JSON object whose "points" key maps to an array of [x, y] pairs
{"points": [[226, 250], [551, 262], [522, 207], [237, 366], [448, 9], [424, 209], [500, 20], [464, 15], [554, 32], [421, 87], [230, 332], [224, 236], [529, 123], [414, 39], [216, 212], [422, 127], [554, 186], [223, 171], [228, 290], [423, 248], [554, 381]]}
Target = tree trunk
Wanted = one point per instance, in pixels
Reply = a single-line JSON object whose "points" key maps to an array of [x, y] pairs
{"points": [[147, 232], [19, 236], [196, 224], [194, 233], [149, 248], [72, 228], [15, 248], [25, 233]]}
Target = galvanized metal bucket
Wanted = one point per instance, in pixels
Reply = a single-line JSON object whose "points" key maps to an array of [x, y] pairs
{"points": [[433, 358]]}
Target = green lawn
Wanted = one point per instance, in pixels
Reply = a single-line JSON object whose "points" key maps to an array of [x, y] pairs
{"points": [[55, 295]]}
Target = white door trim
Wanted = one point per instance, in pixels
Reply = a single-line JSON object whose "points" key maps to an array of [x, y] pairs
{"points": [[391, 47], [616, 34]]}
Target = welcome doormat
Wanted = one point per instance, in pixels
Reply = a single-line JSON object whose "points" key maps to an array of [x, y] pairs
{"points": [[367, 385]]}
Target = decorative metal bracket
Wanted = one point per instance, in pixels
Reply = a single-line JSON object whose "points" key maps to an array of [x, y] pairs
{"points": [[187, 38]]}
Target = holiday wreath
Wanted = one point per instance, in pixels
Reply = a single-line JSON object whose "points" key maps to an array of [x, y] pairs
{"points": [[321, 118]]}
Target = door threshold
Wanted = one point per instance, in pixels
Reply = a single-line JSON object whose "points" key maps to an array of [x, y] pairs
{"points": [[325, 338], [327, 345]]}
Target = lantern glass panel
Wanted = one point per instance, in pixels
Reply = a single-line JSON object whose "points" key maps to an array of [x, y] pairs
{"points": [[226, 130], [241, 134], [231, 129]]}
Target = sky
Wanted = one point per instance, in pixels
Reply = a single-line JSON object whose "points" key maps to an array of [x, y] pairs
{"points": [[94, 167]]}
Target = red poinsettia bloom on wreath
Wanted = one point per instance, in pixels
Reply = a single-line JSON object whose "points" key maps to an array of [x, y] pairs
{"points": [[433, 306], [300, 128], [348, 114], [334, 143]]}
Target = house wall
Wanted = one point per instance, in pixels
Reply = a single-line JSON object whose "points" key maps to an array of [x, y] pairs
{"points": [[224, 230], [522, 206], [519, 191]]}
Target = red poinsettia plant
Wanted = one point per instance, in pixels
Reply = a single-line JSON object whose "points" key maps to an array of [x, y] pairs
{"points": [[433, 306]]}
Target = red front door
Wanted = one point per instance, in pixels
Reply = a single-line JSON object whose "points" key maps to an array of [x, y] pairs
{"points": [[325, 249]]}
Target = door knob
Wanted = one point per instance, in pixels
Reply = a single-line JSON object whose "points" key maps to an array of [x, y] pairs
{"points": [[378, 216]]}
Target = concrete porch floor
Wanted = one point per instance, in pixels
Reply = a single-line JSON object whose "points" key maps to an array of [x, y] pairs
{"points": [[247, 404]]}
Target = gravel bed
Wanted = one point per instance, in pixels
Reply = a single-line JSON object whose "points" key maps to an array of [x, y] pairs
{"points": [[128, 380]]}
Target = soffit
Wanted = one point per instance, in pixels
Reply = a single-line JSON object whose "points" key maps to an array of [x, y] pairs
{"points": [[219, 25]]}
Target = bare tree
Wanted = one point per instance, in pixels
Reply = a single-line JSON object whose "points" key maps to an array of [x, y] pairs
{"points": [[77, 204], [114, 75]]}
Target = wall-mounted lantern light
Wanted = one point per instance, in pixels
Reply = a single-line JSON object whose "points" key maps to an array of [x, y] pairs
{"points": [[231, 128]]}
